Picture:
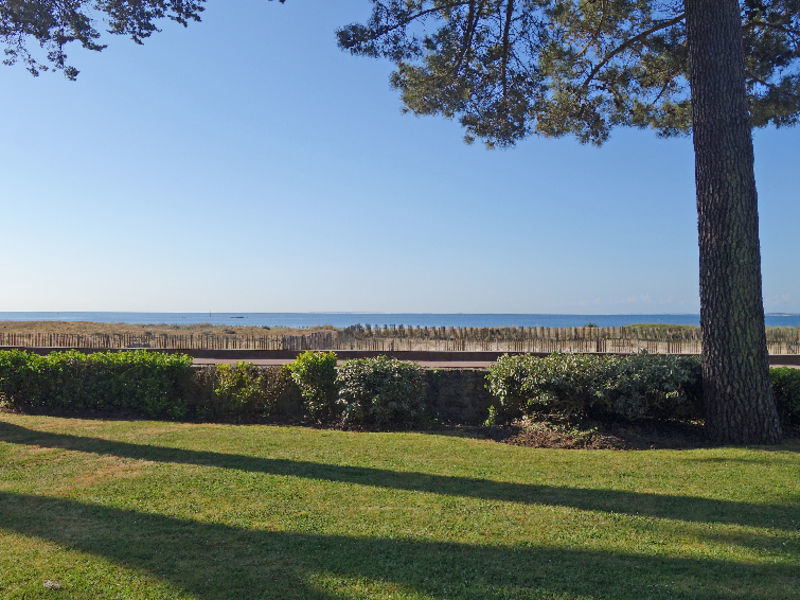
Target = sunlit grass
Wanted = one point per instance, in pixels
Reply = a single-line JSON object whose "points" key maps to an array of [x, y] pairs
{"points": [[133, 509]]}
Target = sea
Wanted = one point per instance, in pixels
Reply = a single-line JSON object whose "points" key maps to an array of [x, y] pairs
{"points": [[346, 319]]}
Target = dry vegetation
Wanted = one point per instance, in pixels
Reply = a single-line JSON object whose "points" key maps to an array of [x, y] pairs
{"points": [[94, 328], [654, 338], [659, 331]]}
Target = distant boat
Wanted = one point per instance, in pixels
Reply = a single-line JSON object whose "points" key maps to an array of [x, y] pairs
{"points": [[234, 317]]}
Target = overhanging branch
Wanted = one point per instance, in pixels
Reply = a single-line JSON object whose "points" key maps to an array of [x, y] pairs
{"points": [[628, 43]]}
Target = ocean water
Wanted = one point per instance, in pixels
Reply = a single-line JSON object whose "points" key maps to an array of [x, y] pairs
{"points": [[344, 319]]}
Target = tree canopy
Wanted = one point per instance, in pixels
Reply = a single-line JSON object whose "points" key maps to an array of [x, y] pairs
{"points": [[505, 68], [510, 68], [53, 25]]}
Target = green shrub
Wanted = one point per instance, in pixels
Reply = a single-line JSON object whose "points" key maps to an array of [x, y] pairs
{"points": [[20, 383], [243, 393], [228, 393], [141, 383], [603, 386], [375, 393], [786, 387], [564, 383], [315, 375], [659, 386], [240, 391], [382, 393]]}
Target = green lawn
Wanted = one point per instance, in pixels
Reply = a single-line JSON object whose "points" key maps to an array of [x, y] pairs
{"points": [[142, 510]]}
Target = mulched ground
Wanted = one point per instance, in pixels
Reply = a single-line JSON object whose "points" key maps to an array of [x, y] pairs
{"points": [[607, 436]]}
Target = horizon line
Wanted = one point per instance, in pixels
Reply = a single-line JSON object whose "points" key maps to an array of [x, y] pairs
{"points": [[367, 312]]}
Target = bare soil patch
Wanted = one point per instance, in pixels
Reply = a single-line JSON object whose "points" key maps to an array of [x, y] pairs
{"points": [[596, 436]]}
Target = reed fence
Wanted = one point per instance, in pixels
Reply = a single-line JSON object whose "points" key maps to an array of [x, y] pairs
{"points": [[657, 340]]}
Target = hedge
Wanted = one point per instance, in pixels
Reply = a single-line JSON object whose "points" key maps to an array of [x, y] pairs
{"points": [[376, 393], [244, 393], [652, 386], [148, 384], [599, 386], [315, 376], [384, 393], [786, 387]]}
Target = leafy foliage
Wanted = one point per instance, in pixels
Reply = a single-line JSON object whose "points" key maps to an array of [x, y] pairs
{"points": [[244, 393], [575, 385], [54, 25], [786, 387], [506, 68], [384, 393], [511, 68], [145, 383], [239, 389], [378, 393], [315, 375]]}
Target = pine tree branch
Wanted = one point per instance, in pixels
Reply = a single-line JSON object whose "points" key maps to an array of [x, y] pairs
{"points": [[472, 23], [413, 17], [506, 38], [628, 43]]}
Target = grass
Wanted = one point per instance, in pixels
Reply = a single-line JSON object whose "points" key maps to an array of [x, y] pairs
{"points": [[151, 510]]}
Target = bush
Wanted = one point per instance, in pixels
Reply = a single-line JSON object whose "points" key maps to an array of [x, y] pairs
{"points": [[786, 387], [148, 384], [600, 386], [375, 393], [656, 386], [239, 392], [381, 392], [20, 383], [562, 383], [315, 375], [243, 393]]}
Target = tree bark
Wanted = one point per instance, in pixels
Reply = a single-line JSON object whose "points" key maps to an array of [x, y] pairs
{"points": [[736, 386]]}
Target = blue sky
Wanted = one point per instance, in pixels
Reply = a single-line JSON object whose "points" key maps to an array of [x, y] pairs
{"points": [[247, 164]]}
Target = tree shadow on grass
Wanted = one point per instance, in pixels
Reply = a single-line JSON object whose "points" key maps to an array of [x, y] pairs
{"points": [[722, 460], [684, 508], [220, 562]]}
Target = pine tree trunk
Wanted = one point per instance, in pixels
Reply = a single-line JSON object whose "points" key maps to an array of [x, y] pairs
{"points": [[736, 386]]}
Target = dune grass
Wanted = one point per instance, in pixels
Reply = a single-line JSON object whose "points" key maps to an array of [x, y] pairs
{"points": [[656, 331], [151, 510], [97, 328]]}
